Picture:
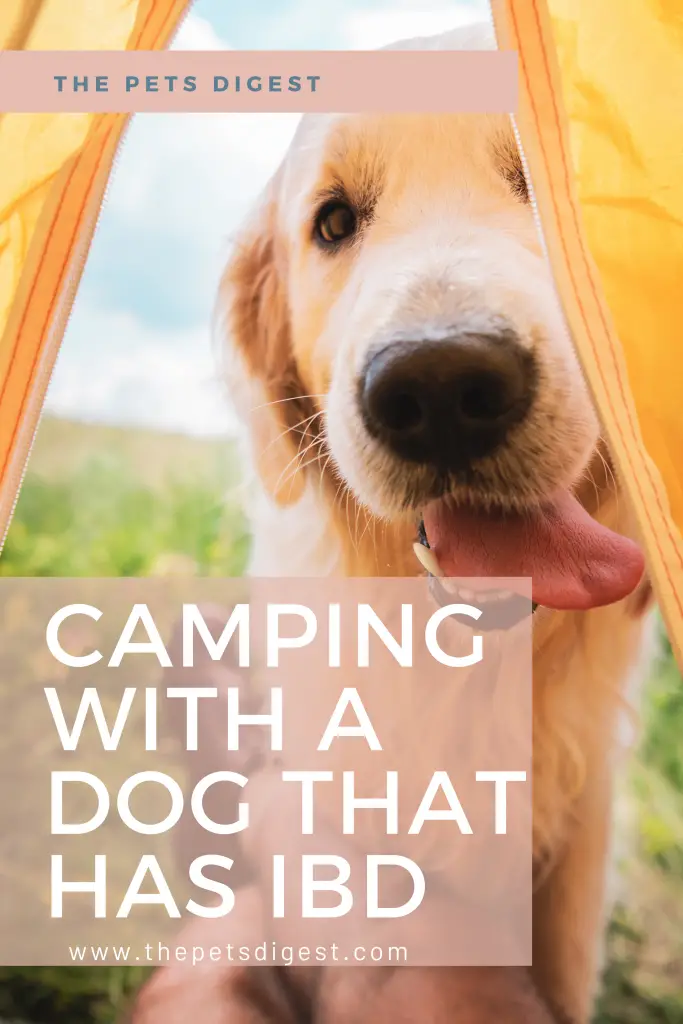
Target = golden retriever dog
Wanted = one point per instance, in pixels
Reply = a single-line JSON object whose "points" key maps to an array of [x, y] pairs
{"points": [[400, 359]]}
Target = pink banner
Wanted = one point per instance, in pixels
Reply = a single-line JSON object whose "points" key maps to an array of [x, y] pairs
{"points": [[383, 81], [344, 763]]}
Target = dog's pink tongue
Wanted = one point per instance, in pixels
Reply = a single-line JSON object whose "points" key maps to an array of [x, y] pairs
{"points": [[574, 562]]}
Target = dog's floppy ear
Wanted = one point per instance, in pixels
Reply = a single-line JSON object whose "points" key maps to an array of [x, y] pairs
{"points": [[263, 372]]}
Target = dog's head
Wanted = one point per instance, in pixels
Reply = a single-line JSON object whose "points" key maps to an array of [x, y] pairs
{"points": [[393, 298]]}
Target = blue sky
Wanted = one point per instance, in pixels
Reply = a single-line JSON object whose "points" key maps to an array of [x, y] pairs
{"points": [[138, 348]]}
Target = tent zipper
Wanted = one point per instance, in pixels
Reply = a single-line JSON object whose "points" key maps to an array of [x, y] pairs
{"points": [[34, 413]]}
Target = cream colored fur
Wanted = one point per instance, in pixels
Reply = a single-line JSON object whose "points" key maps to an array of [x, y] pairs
{"points": [[447, 239]]}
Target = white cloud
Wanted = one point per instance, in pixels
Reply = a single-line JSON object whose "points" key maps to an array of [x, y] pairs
{"points": [[192, 177], [200, 170], [370, 29], [197, 33], [116, 370], [197, 172]]}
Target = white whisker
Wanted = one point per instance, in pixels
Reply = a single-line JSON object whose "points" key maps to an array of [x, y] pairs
{"points": [[279, 401]]}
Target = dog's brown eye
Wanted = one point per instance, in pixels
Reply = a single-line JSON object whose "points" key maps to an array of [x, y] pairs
{"points": [[335, 222]]}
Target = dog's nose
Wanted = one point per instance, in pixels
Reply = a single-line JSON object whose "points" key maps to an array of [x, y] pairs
{"points": [[449, 401]]}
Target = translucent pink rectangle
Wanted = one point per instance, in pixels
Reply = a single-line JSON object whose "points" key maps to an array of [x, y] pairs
{"points": [[448, 701], [381, 81]]}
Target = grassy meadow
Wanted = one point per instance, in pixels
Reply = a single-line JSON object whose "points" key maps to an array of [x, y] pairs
{"points": [[100, 501]]}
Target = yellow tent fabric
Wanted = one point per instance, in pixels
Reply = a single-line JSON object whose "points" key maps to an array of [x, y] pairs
{"points": [[600, 118], [53, 173]]}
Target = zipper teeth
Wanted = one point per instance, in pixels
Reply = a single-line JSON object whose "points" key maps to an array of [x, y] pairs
{"points": [[530, 188], [44, 378], [533, 203], [525, 164], [539, 229], [69, 292]]}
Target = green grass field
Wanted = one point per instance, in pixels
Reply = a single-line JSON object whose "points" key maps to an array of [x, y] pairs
{"points": [[111, 502], [105, 501]]}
